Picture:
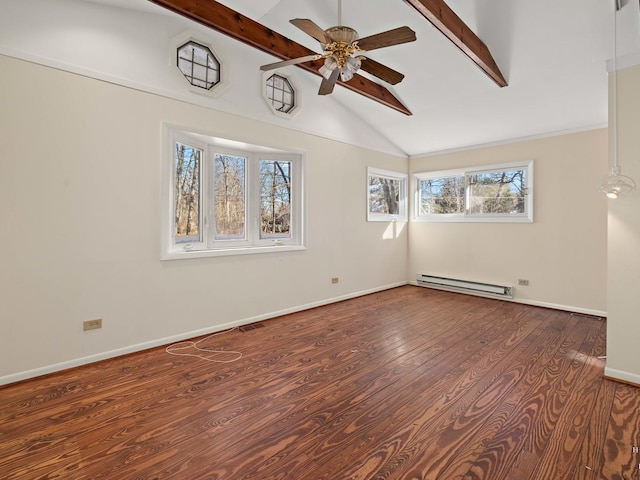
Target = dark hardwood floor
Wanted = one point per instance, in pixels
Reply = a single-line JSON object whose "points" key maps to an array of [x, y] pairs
{"points": [[409, 383]]}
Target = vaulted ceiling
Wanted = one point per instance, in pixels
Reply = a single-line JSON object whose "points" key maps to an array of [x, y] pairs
{"points": [[552, 55]]}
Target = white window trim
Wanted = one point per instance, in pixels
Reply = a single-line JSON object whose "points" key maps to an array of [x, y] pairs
{"points": [[402, 195], [209, 247], [526, 217]]}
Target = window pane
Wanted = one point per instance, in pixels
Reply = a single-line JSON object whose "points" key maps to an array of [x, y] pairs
{"points": [[198, 65], [199, 73], [275, 199], [230, 195], [442, 196], [280, 94], [497, 193], [187, 194], [384, 195]]}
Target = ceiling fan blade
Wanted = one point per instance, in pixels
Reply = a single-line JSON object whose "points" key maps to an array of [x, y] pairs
{"points": [[381, 71], [293, 61], [311, 29], [387, 39], [326, 87]]}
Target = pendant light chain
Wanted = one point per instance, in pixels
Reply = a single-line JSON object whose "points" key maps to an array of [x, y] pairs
{"points": [[616, 168]]}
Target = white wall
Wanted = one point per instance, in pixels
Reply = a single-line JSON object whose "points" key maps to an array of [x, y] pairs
{"points": [[623, 305], [80, 163], [562, 254]]}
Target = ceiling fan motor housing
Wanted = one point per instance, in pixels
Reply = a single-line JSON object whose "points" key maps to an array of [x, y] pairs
{"points": [[342, 34]]}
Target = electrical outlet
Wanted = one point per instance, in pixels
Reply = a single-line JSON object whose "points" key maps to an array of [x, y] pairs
{"points": [[635, 450], [335, 279], [522, 281], [92, 324]]}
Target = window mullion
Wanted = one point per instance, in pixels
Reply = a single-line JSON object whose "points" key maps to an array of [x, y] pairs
{"points": [[467, 194], [252, 200], [209, 182]]}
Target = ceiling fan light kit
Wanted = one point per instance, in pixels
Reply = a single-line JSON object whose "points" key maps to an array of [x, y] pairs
{"points": [[347, 67]]}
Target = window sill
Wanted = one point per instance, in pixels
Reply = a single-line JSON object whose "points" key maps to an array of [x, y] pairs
{"points": [[386, 218], [474, 219], [224, 252]]}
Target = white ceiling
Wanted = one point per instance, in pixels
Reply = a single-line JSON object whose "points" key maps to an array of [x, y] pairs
{"points": [[552, 53]]}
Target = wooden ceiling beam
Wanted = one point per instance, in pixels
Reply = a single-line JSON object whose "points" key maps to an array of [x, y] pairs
{"points": [[225, 20], [445, 20]]}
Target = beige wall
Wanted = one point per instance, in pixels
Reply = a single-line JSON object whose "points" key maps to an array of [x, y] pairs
{"points": [[76, 154], [623, 323], [562, 254], [80, 163]]}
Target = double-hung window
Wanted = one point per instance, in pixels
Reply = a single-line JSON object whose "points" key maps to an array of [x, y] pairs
{"points": [[222, 200], [495, 193]]}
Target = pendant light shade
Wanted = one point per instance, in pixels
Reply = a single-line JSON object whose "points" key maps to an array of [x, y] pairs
{"points": [[616, 184], [330, 64], [351, 66]]}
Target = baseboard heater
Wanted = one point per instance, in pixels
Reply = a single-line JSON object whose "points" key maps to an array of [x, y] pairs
{"points": [[464, 286]]}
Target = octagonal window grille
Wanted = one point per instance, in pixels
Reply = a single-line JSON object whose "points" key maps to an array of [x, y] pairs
{"points": [[280, 94], [199, 66]]}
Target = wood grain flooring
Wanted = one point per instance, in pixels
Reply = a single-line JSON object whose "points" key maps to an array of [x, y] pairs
{"points": [[409, 383]]}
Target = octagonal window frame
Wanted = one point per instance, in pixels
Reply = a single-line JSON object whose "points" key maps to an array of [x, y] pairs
{"points": [[184, 38], [201, 68], [274, 103]]}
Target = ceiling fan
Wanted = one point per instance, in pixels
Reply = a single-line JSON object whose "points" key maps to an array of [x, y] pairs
{"points": [[341, 51]]}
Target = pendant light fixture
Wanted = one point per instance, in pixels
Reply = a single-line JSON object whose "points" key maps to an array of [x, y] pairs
{"points": [[616, 183]]}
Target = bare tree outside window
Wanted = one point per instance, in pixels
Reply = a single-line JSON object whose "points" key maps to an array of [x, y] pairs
{"points": [[275, 199], [384, 195], [442, 196], [230, 196], [187, 193], [497, 192]]}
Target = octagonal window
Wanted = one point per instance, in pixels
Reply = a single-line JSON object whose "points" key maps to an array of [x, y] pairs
{"points": [[279, 94], [199, 66]]}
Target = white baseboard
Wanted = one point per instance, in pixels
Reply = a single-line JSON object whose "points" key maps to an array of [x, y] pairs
{"points": [[77, 362], [622, 376], [556, 306], [535, 303]]}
